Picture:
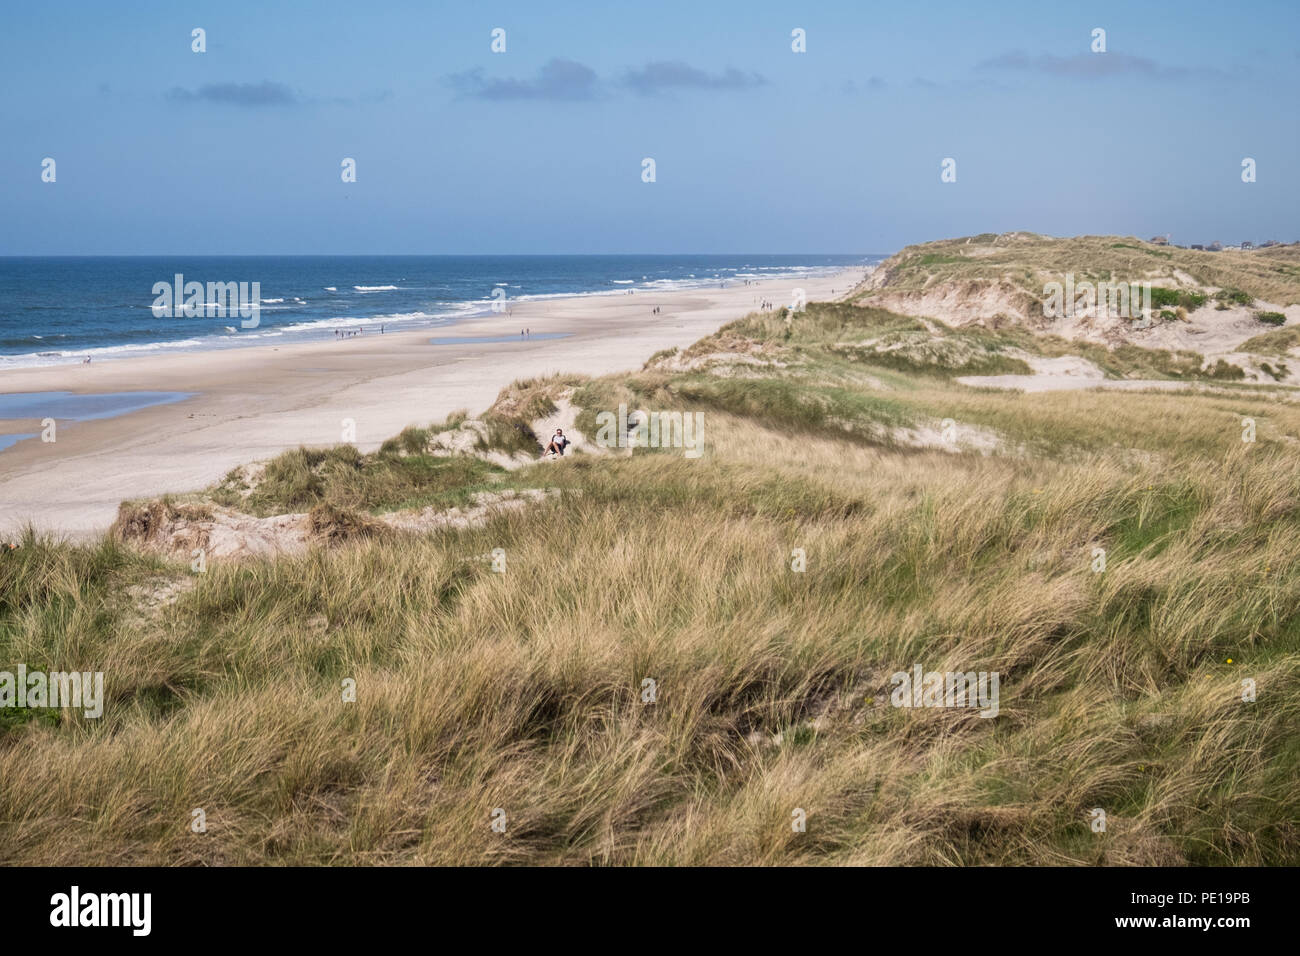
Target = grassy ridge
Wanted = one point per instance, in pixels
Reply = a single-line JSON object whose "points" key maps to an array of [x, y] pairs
{"points": [[1025, 261], [523, 690]]}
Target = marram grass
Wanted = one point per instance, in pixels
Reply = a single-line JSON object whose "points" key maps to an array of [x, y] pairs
{"points": [[523, 691]]}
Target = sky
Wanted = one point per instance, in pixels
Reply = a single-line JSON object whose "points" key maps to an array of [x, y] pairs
{"points": [[238, 150]]}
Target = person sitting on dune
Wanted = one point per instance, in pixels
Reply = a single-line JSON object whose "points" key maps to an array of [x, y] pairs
{"points": [[557, 444]]}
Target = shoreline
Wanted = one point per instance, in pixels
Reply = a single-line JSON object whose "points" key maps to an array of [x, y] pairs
{"points": [[254, 402], [304, 329]]}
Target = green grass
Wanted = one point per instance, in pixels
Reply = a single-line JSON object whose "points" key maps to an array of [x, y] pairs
{"points": [[522, 690], [827, 410], [921, 354], [1276, 342], [1234, 297], [1021, 264], [1178, 298], [884, 341], [343, 478], [1144, 249]]}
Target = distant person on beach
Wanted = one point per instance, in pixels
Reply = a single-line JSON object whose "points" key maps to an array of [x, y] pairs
{"points": [[557, 444]]}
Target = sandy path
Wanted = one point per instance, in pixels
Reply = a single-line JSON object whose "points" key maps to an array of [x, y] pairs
{"points": [[256, 402]]}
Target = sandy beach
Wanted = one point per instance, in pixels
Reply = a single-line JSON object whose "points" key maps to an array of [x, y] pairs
{"points": [[253, 403]]}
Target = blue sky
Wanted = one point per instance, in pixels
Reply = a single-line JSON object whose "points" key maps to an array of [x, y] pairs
{"points": [[539, 149]]}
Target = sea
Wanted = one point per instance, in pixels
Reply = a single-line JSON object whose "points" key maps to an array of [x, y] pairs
{"points": [[56, 310]]}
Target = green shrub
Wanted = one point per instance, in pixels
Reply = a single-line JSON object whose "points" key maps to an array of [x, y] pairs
{"points": [[1180, 298], [509, 437], [1225, 370], [412, 441], [1234, 297]]}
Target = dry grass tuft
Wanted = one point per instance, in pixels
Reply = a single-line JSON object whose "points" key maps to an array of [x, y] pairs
{"points": [[525, 689]]}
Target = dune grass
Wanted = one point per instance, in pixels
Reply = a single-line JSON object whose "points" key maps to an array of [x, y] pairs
{"points": [[343, 478], [1275, 342], [524, 691], [1026, 260]]}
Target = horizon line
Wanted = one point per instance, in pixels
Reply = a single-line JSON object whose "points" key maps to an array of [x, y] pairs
{"points": [[413, 255]]}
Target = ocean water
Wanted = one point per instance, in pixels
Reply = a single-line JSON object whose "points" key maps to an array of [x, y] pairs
{"points": [[76, 407], [72, 406], [57, 310]]}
